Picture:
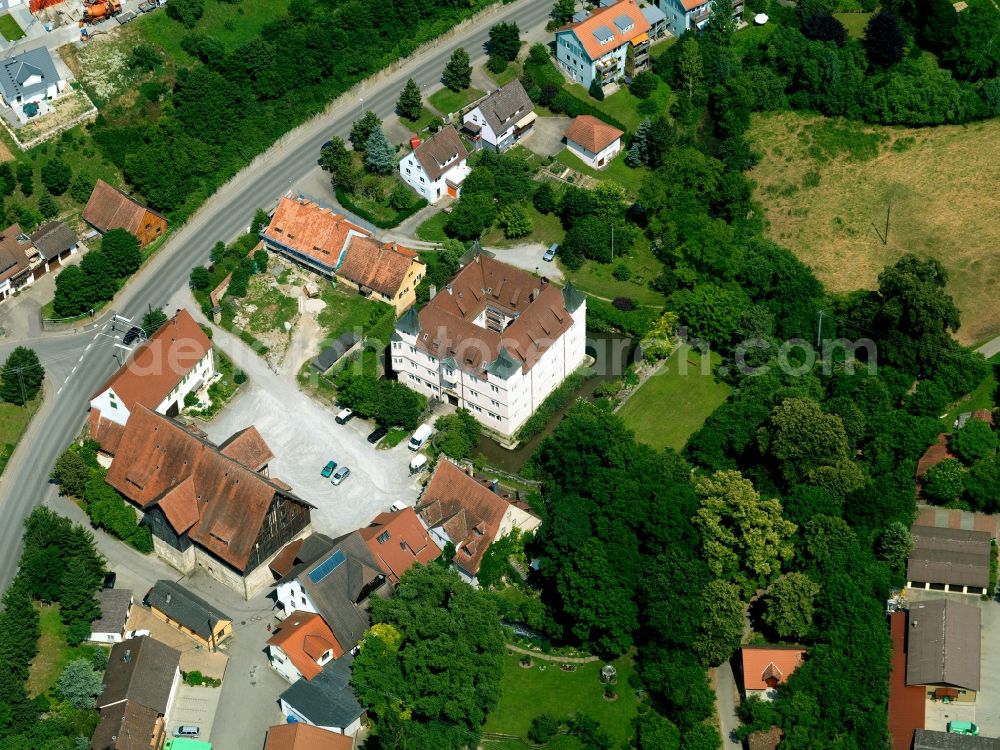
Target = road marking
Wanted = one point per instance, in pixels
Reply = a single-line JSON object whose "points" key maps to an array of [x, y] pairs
{"points": [[88, 346], [122, 346], [73, 370], [60, 389], [81, 358]]}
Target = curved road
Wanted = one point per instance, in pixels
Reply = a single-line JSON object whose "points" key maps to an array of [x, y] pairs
{"points": [[226, 214]]}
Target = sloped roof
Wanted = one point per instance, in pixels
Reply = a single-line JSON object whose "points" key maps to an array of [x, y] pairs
{"points": [[446, 322], [593, 134], [327, 699], [943, 646], [312, 230], [110, 208], [763, 662], [15, 254], [299, 736], [299, 552], [601, 23], [505, 106], [926, 739], [305, 637], [17, 69], [141, 670], [115, 605], [957, 556], [53, 239], [934, 455], [441, 152], [332, 354], [398, 540], [126, 726], [156, 456], [248, 447], [906, 702], [186, 607], [159, 364], [376, 265]]}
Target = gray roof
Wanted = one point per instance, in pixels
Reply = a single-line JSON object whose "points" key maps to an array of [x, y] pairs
{"points": [[327, 700], [441, 152], [505, 106], [653, 14], [943, 644], [580, 15], [53, 239], [955, 556], [504, 365], [115, 605], [141, 670], [925, 739], [573, 297], [189, 609], [17, 70], [409, 322], [329, 356]]}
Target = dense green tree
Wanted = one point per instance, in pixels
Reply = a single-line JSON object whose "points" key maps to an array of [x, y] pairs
{"points": [[8, 182], [122, 250], [261, 218], [47, 205], [186, 12], [680, 681], [457, 434], [710, 312], [544, 199], [152, 320], [895, 545], [26, 178], [823, 27], [975, 441], [80, 684], [802, 438], [982, 485], [100, 276], [145, 57], [471, 216], [21, 377], [654, 732], [337, 160], [966, 41], [644, 84], [514, 222], [410, 104], [721, 629], [543, 728], [78, 607], [380, 157], [238, 283], [563, 10], [56, 176], [701, 737], [945, 481], [457, 74], [201, 278], [884, 40], [790, 605], [596, 90], [636, 156], [504, 41], [362, 129], [71, 472]]}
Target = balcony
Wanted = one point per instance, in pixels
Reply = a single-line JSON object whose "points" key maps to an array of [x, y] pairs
{"points": [[699, 17]]}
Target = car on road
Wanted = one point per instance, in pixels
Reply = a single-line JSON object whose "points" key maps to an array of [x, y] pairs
{"points": [[328, 469], [340, 475], [377, 434], [344, 416], [110, 578], [132, 335], [550, 254], [187, 730]]}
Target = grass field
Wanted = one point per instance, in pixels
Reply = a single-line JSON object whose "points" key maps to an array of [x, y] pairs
{"points": [[432, 230], [53, 652], [447, 101], [598, 279], [347, 311], [421, 122], [617, 171], [625, 107], [546, 229], [13, 422], [981, 398], [854, 23], [10, 29], [670, 406], [941, 183], [528, 693]]}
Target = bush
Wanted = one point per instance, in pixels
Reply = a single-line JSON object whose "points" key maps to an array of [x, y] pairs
{"points": [[622, 272], [596, 90], [555, 401], [201, 278], [239, 377], [496, 65], [543, 728], [56, 176], [186, 12], [544, 199], [644, 84]]}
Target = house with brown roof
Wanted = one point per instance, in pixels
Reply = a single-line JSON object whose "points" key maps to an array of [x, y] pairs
{"points": [[397, 541], [109, 627], [19, 261], [596, 47], [943, 559], [906, 702], [302, 645], [457, 508], [204, 508], [683, 15], [501, 119], [437, 167], [299, 736], [943, 649], [311, 235], [176, 360], [187, 612], [496, 341], [140, 685], [110, 208], [766, 667], [594, 141], [55, 242], [385, 271], [926, 739]]}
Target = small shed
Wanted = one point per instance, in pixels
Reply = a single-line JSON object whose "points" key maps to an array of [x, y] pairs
{"points": [[116, 604], [593, 141], [336, 351], [189, 613]]}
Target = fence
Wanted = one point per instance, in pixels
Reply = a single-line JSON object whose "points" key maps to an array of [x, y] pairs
{"points": [[61, 324]]}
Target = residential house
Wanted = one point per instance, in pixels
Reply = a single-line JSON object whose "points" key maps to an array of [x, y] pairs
{"points": [[926, 739], [979, 415], [683, 15], [331, 355], [327, 700], [110, 208], [384, 271], [189, 613], [658, 25], [301, 646], [594, 141], [29, 76], [949, 560], [501, 119], [496, 341], [140, 685], [309, 234], [605, 46], [298, 736], [248, 447], [20, 261], [943, 649], [437, 167], [55, 242], [906, 702], [205, 508], [397, 540], [116, 604], [766, 667], [176, 360], [458, 509]]}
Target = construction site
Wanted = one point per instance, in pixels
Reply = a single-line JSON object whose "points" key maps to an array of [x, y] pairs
{"points": [[90, 17]]}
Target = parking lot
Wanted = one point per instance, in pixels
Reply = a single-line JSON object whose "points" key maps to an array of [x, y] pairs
{"points": [[194, 706]]}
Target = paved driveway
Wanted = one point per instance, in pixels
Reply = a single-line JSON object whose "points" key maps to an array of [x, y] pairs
{"points": [[546, 136], [195, 706], [528, 257]]}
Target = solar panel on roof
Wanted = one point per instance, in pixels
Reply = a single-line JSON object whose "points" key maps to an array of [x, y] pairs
{"points": [[580, 15], [603, 34], [623, 22], [326, 567]]}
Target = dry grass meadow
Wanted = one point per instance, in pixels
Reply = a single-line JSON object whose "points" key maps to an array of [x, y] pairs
{"points": [[826, 185]]}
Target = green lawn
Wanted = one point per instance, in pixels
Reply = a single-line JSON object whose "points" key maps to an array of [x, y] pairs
{"points": [[546, 229], [10, 29], [53, 652], [432, 230], [421, 122], [854, 23], [661, 46], [624, 106], [506, 77], [447, 101], [544, 688], [629, 178], [596, 278], [981, 398], [274, 309], [346, 310], [669, 407], [13, 422], [394, 437]]}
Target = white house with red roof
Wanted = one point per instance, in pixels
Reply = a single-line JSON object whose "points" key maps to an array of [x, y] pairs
{"points": [[593, 141], [438, 166], [595, 47], [683, 15], [496, 341]]}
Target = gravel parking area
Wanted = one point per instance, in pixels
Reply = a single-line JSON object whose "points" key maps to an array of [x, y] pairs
{"points": [[195, 706], [529, 257]]}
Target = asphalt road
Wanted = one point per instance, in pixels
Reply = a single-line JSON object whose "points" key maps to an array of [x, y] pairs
{"points": [[25, 484]]}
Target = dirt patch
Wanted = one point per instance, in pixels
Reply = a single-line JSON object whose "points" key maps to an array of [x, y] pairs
{"points": [[102, 65], [827, 201], [66, 111], [5, 152]]}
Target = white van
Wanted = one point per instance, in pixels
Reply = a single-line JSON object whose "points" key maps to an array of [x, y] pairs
{"points": [[418, 463], [419, 437]]}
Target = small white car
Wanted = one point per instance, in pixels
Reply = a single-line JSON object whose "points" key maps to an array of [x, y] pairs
{"points": [[340, 475]]}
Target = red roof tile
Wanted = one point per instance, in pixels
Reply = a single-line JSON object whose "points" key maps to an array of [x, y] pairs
{"points": [[15, 254], [301, 736], [906, 702], [249, 448], [593, 134], [934, 455], [306, 637], [397, 541], [372, 264], [762, 664], [110, 208], [311, 230], [606, 17], [105, 432]]}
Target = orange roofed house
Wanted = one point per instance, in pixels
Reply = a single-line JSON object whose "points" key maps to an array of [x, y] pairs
{"points": [[206, 505], [175, 361], [595, 47], [329, 243], [459, 509], [766, 667], [302, 644], [594, 141], [299, 736], [110, 208]]}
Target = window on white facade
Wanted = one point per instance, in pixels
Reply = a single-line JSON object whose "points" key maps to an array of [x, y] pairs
{"points": [[494, 388], [413, 350], [397, 345]]}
